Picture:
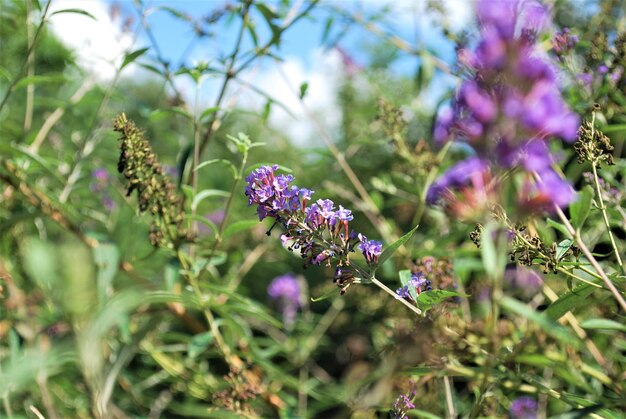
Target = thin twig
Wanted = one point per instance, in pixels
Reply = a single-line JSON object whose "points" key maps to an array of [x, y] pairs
{"points": [[583, 247], [394, 295], [28, 53], [449, 401]]}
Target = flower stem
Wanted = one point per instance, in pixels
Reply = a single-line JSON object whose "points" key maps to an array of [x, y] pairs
{"points": [[590, 257], [605, 217], [394, 295]]}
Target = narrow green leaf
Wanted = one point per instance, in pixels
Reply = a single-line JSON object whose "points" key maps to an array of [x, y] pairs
{"points": [[76, 11], [130, 57], [206, 193], [324, 296], [391, 249], [238, 226], [106, 257], [569, 301], [493, 251], [35, 80], [303, 89], [579, 210], [208, 111], [546, 323], [558, 226], [222, 161], [603, 324]]}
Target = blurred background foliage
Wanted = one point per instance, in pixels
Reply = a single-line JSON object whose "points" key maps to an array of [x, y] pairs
{"points": [[96, 322]]}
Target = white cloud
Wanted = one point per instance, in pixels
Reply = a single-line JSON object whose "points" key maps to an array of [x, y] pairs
{"points": [[323, 78], [100, 45]]}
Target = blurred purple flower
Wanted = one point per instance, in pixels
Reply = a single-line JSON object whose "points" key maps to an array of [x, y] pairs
{"points": [[563, 41], [285, 291], [456, 177], [523, 408], [508, 108], [99, 185], [524, 279]]}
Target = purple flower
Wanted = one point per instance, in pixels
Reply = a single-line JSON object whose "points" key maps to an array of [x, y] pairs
{"points": [[543, 194], [371, 249], [455, 177], [506, 110], [603, 69], [523, 408], [100, 174], [403, 292], [319, 232], [524, 279], [285, 290], [563, 41]]}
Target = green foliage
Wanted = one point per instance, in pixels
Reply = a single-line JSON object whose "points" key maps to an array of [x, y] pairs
{"points": [[106, 311]]}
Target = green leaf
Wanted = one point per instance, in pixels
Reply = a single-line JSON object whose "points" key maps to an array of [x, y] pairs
{"points": [[405, 280], [428, 299], [222, 161], [563, 247], [49, 79], [569, 301], [238, 226], [558, 226], [579, 210], [163, 113], [206, 193], [547, 324], [257, 165], [325, 295], [76, 11], [207, 112], [327, 27], [603, 324], [303, 89], [493, 251], [130, 57], [391, 249], [106, 257], [199, 343]]}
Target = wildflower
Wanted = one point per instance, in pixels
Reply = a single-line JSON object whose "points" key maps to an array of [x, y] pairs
{"points": [[404, 403], [371, 249], [564, 41], [418, 282], [508, 108], [523, 408], [285, 290], [319, 231]]}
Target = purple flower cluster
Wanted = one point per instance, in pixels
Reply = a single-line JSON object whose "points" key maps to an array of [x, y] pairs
{"points": [[319, 231], [523, 408], [404, 403], [418, 282], [285, 290], [564, 41], [510, 105]]}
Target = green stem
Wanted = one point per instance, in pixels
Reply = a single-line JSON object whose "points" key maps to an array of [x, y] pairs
{"points": [[233, 190], [395, 296], [605, 217], [26, 60], [590, 257]]}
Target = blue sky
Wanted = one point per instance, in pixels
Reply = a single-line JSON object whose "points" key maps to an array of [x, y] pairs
{"points": [[101, 45]]}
